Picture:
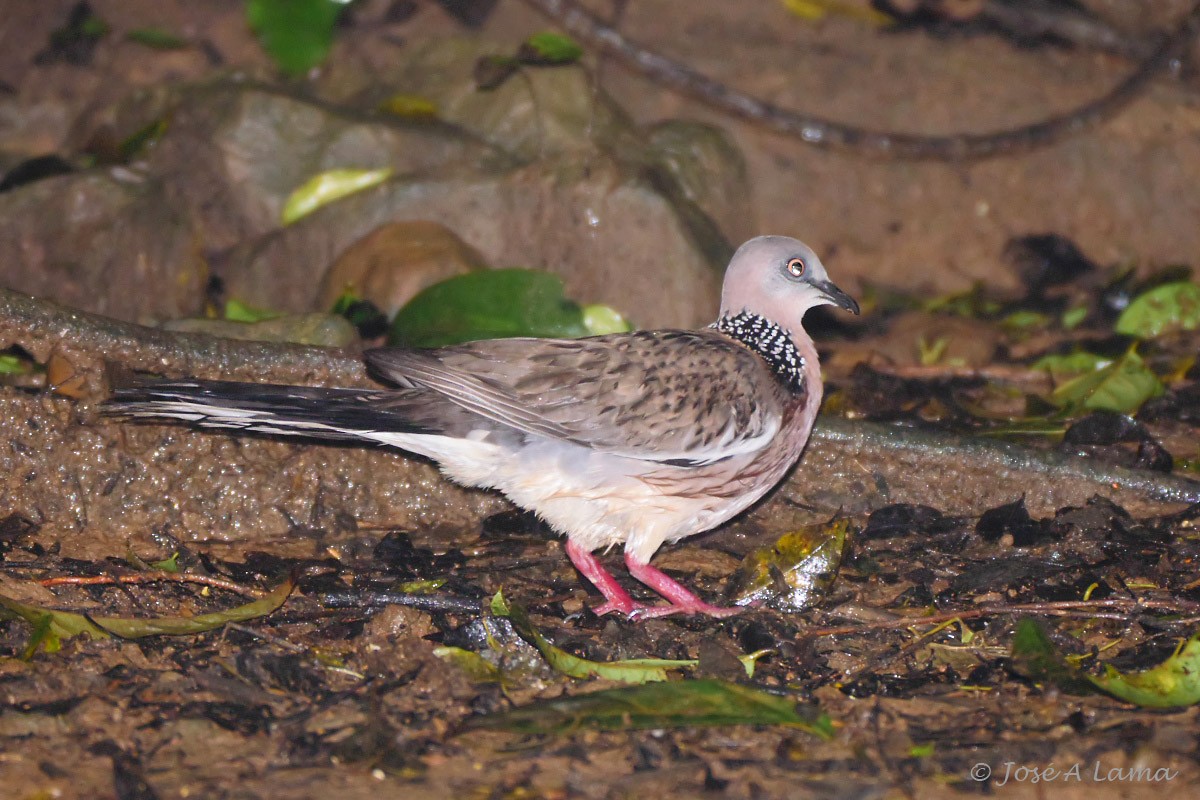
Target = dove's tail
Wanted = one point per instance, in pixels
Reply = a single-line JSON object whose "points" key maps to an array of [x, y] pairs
{"points": [[331, 414]]}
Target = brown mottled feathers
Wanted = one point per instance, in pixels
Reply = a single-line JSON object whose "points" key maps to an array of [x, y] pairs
{"points": [[686, 397]]}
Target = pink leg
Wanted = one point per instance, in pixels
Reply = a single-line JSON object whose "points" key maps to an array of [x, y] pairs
{"points": [[682, 600], [617, 598]]}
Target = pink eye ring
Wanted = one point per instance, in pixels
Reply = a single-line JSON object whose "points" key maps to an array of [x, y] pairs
{"points": [[796, 267]]}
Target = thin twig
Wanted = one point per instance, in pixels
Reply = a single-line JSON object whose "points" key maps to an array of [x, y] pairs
{"points": [[881, 144], [153, 577], [426, 602], [1033, 20], [1058, 608]]}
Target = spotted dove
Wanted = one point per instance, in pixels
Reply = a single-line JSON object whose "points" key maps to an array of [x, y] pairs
{"points": [[631, 438]]}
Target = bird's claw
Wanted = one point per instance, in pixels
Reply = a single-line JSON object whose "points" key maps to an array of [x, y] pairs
{"points": [[628, 609]]}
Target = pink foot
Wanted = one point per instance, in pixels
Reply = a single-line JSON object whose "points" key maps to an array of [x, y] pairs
{"points": [[616, 598], [683, 601]]}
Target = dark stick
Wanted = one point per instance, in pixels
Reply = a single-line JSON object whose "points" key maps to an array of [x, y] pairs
{"points": [[426, 602], [880, 144]]}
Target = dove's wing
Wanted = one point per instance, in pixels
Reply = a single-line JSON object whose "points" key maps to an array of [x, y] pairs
{"points": [[680, 397]]}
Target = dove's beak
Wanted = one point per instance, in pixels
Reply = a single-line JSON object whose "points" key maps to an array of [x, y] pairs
{"points": [[836, 296]]}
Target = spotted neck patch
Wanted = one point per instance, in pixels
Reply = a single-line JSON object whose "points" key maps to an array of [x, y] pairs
{"points": [[770, 341]]}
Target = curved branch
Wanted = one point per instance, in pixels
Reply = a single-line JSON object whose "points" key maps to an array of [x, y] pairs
{"points": [[880, 144]]}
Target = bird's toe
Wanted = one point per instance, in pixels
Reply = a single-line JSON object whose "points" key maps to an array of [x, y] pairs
{"points": [[700, 607]]}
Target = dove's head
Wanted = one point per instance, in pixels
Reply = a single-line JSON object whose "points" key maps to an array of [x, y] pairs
{"points": [[779, 278]]}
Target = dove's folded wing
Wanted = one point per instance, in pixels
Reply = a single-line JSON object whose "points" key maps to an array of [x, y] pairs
{"points": [[679, 397]]}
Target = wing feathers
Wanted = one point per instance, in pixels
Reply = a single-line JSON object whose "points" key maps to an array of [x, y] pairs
{"points": [[680, 397]]}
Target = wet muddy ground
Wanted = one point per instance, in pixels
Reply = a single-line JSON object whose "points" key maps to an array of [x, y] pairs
{"points": [[348, 689]]}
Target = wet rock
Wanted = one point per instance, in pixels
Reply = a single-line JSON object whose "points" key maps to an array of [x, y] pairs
{"points": [[320, 330], [233, 153], [108, 241], [549, 112], [709, 169], [32, 128], [543, 112], [574, 190], [637, 255], [391, 264], [95, 486]]}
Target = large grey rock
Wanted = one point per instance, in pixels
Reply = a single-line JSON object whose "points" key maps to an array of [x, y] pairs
{"points": [[543, 171], [611, 235], [540, 113], [107, 241], [234, 153], [549, 112]]}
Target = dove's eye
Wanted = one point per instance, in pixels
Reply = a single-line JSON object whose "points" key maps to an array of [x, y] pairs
{"points": [[795, 267]]}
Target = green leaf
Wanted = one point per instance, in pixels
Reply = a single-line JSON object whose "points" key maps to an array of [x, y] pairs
{"points": [[1022, 321], [1072, 317], [424, 586], [750, 660], [167, 564], [1065, 366], [157, 38], [813, 10], [13, 364], [632, 670], [51, 626], [676, 704], [793, 574], [237, 311], [1036, 657], [43, 636], [550, 49], [93, 27], [931, 353], [327, 187], [137, 628], [489, 304], [410, 106], [600, 319], [972, 302], [1173, 683], [297, 34], [478, 669], [1163, 309], [1122, 386]]}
